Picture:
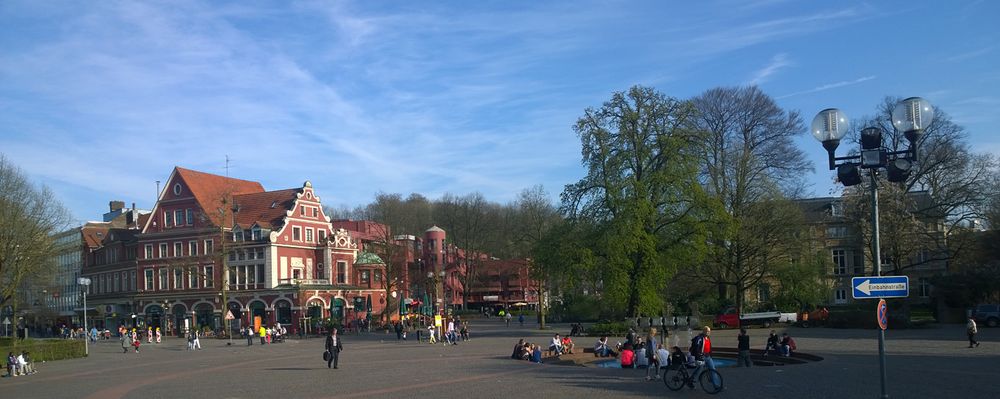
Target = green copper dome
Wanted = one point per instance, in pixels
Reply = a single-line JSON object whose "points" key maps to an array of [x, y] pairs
{"points": [[368, 258]]}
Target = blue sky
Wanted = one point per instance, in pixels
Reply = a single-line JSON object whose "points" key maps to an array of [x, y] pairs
{"points": [[98, 100]]}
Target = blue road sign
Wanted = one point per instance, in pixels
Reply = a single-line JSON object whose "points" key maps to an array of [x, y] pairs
{"points": [[880, 287]]}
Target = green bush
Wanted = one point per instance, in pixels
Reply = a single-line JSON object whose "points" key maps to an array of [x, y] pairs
{"points": [[609, 328], [45, 349]]}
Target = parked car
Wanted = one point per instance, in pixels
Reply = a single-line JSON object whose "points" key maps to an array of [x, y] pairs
{"points": [[987, 314]]}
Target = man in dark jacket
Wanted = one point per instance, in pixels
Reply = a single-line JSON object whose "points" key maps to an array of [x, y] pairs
{"points": [[772, 343], [743, 345], [334, 346]]}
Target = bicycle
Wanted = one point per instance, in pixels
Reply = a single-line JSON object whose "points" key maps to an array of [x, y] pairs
{"points": [[675, 377]]}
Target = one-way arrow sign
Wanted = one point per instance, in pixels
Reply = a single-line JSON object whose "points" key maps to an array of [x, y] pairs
{"points": [[881, 287]]}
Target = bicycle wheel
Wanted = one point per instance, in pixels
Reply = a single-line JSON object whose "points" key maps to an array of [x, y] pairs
{"points": [[711, 381], [674, 378]]}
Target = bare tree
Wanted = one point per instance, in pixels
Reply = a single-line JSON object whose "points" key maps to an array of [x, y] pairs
{"points": [[467, 220], [749, 165], [29, 216]]}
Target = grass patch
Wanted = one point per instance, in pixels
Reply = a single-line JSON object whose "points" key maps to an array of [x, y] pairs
{"points": [[45, 349]]}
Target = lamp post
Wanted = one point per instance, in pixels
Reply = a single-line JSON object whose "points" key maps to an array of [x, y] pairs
{"points": [[85, 282], [911, 116]]}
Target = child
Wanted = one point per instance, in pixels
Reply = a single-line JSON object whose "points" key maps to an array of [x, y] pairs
{"points": [[536, 354], [136, 343]]}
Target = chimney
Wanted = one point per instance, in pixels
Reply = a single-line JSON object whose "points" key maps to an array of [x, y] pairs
{"points": [[116, 205]]}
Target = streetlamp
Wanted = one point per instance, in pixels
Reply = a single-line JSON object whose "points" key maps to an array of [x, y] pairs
{"points": [[85, 282], [911, 116]]}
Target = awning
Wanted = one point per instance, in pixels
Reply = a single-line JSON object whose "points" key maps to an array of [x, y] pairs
{"points": [[521, 304]]}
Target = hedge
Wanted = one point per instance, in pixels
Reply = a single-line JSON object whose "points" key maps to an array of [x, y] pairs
{"points": [[44, 349], [609, 329]]}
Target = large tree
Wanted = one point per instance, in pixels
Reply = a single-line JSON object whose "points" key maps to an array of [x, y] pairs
{"points": [[750, 165], [950, 187], [29, 216], [642, 189]]}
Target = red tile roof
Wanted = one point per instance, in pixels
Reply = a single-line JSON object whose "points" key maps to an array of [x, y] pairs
{"points": [[94, 235], [268, 209], [210, 190]]}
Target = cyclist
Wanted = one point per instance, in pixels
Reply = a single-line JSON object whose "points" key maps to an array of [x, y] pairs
{"points": [[701, 349]]}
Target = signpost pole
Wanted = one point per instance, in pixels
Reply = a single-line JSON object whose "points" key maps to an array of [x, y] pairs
{"points": [[877, 261]]}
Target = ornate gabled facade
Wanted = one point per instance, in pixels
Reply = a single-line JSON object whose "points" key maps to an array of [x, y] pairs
{"points": [[215, 245]]}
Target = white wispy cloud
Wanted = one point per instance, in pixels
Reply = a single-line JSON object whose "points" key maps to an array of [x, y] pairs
{"points": [[971, 54], [829, 86], [777, 62]]}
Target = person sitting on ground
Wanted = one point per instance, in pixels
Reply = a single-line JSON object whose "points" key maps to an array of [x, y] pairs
{"points": [[627, 357], [536, 354], [518, 348], [662, 357], [772, 343], [526, 351], [641, 359], [11, 364], [567, 344], [29, 367], [601, 348], [787, 345], [556, 345]]}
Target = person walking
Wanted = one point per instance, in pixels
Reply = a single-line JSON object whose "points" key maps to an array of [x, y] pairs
{"points": [[651, 345], [197, 340], [972, 330], [248, 333], [743, 346], [263, 335], [333, 345], [520, 319], [507, 318]]}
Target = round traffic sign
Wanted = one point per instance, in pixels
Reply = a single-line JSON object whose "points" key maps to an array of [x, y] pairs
{"points": [[882, 314]]}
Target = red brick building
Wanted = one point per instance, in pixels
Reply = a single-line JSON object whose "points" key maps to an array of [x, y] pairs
{"points": [[214, 244]]}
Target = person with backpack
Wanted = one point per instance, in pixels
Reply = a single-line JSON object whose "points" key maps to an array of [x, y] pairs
{"points": [[701, 349]]}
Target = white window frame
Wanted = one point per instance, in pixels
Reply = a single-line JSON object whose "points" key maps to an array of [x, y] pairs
{"points": [[163, 279], [193, 277], [209, 247], [310, 233], [296, 233], [193, 248], [839, 269], [208, 276], [163, 249], [150, 279], [149, 251], [840, 296], [178, 278], [178, 249]]}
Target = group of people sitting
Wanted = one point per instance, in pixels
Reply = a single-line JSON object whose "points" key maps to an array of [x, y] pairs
{"points": [[784, 346], [19, 364], [527, 351]]}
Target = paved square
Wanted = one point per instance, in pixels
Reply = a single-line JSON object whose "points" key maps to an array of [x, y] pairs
{"points": [[925, 363]]}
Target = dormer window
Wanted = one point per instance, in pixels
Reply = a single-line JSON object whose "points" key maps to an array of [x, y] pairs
{"points": [[255, 233], [836, 209], [237, 234], [274, 204]]}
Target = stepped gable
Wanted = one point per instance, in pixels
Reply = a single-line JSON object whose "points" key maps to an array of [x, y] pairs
{"points": [[267, 209], [210, 190]]}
